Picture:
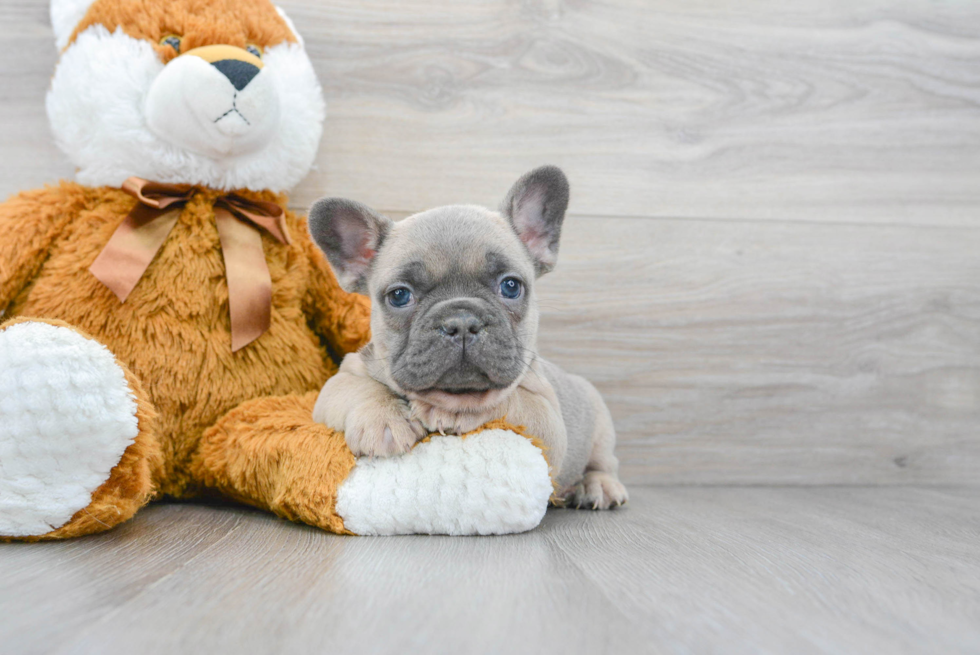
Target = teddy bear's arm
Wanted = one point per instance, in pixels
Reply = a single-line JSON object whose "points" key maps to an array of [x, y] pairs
{"points": [[343, 319], [29, 223]]}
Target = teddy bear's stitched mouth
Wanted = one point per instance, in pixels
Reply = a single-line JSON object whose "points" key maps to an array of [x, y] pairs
{"points": [[192, 106], [234, 109]]}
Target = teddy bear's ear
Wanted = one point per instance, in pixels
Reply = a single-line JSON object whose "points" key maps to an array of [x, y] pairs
{"points": [[65, 15], [349, 234], [289, 24]]}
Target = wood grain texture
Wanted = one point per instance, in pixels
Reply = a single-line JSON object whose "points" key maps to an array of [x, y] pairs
{"points": [[760, 109], [692, 570], [866, 111], [847, 111], [738, 352], [28, 155]]}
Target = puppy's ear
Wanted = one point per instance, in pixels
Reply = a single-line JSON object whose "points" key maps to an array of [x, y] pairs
{"points": [[536, 207], [349, 234]]}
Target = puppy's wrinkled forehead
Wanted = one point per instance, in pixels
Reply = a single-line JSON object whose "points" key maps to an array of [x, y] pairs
{"points": [[454, 240], [368, 251]]}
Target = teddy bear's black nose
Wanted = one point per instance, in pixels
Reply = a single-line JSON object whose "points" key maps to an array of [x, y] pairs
{"points": [[238, 72]]}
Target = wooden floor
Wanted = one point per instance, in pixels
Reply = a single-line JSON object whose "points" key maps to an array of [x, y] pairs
{"points": [[680, 570], [771, 270]]}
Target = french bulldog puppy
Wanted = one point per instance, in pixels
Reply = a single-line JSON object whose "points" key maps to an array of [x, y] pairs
{"points": [[454, 325]]}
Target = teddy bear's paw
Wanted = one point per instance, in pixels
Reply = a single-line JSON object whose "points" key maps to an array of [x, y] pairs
{"points": [[492, 482], [597, 490], [67, 415], [382, 429]]}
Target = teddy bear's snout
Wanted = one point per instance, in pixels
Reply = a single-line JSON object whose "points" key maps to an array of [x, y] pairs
{"points": [[238, 65], [239, 73], [217, 100]]}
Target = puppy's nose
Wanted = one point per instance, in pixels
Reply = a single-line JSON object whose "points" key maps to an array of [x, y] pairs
{"points": [[238, 72], [461, 326]]}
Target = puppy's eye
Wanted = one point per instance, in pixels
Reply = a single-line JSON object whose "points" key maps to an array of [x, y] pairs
{"points": [[511, 288], [255, 50], [400, 297], [173, 41]]}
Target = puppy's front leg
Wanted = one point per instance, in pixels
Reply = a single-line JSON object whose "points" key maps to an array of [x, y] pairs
{"points": [[535, 405], [374, 420]]}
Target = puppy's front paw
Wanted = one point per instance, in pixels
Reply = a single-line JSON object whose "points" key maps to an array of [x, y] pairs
{"points": [[597, 490], [436, 419], [381, 430]]}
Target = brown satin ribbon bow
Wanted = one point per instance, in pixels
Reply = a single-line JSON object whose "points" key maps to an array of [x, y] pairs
{"points": [[136, 241]]}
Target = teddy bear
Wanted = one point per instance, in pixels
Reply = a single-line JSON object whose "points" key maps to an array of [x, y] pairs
{"points": [[167, 320]]}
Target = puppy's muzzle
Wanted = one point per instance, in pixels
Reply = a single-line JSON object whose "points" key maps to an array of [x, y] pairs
{"points": [[461, 326]]}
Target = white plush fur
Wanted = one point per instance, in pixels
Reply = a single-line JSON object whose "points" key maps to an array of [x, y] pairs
{"points": [[103, 91], [66, 417], [492, 482], [65, 15], [193, 106]]}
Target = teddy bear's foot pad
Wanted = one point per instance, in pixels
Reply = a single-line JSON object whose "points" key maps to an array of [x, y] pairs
{"points": [[490, 482], [67, 415]]}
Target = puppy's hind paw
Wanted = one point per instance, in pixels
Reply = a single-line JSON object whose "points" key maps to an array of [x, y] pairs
{"points": [[597, 490]]}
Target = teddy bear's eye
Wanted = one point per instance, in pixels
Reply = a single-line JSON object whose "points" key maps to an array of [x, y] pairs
{"points": [[255, 50], [173, 41]]}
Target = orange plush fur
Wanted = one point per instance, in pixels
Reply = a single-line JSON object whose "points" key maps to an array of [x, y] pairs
{"points": [[174, 330], [198, 22]]}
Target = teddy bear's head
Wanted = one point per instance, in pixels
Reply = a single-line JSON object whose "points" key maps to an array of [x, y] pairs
{"points": [[218, 93]]}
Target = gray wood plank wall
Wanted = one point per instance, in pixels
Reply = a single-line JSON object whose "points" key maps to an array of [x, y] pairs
{"points": [[772, 264]]}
